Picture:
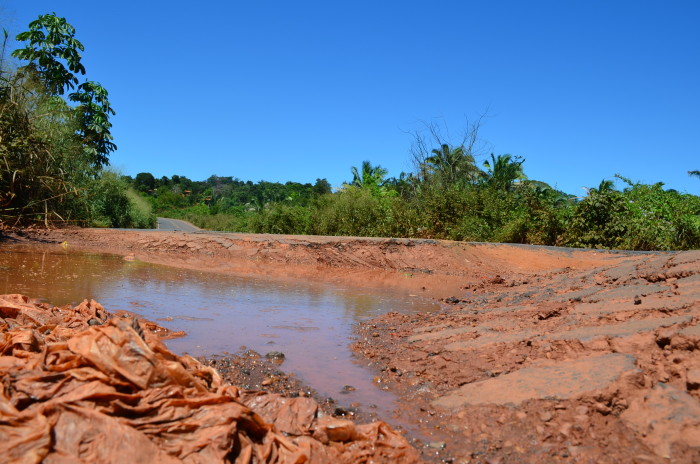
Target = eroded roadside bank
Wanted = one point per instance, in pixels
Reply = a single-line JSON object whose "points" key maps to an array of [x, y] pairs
{"points": [[540, 355]]}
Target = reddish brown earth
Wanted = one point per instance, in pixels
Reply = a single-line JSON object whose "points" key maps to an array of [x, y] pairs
{"points": [[539, 355]]}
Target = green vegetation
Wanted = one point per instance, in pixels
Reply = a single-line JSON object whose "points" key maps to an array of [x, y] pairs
{"points": [[55, 143], [447, 197], [55, 137]]}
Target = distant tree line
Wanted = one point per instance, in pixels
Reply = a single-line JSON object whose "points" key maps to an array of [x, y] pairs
{"points": [[448, 195], [224, 194]]}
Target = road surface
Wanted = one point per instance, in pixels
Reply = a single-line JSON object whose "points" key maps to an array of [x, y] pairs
{"points": [[166, 224]]}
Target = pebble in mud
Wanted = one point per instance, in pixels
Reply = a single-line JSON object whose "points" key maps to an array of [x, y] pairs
{"points": [[348, 389], [693, 379], [276, 356], [344, 412]]}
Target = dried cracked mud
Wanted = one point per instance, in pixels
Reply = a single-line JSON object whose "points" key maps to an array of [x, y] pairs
{"points": [[538, 355]]}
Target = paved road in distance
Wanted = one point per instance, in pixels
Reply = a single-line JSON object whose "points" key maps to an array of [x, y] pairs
{"points": [[166, 224]]}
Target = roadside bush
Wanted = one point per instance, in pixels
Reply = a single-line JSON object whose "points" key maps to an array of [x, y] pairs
{"points": [[445, 210], [354, 211], [108, 202], [598, 221], [140, 211], [113, 204], [660, 219], [642, 217], [281, 219]]}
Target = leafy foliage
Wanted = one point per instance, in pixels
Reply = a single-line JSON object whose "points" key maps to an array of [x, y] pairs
{"points": [[53, 53], [503, 170], [369, 177], [641, 217], [52, 154]]}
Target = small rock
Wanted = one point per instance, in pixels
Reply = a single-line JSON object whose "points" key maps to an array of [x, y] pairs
{"points": [[637, 300], [644, 459], [340, 411], [582, 410], [437, 445], [599, 344], [94, 321], [267, 382], [546, 416], [603, 409], [275, 355], [331, 429], [521, 415], [565, 429], [347, 389], [693, 379]]}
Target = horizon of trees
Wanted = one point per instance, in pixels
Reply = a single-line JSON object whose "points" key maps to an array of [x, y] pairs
{"points": [[446, 196]]}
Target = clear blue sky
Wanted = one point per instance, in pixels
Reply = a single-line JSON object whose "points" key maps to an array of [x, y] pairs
{"points": [[295, 90]]}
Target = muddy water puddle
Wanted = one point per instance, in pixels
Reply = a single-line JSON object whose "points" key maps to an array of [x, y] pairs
{"points": [[311, 323]]}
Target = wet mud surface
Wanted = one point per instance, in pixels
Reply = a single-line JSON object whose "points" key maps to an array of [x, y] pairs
{"points": [[537, 355]]}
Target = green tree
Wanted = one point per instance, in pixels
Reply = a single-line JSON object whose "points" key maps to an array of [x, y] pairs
{"points": [[144, 182], [53, 56], [322, 187], [53, 53], [451, 165], [93, 131], [368, 176], [503, 170], [50, 151]]}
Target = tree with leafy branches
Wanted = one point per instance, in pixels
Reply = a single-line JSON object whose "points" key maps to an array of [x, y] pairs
{"points": [[503, 170], [55, 132], [452, 165], [368, 176], [53, 56]]}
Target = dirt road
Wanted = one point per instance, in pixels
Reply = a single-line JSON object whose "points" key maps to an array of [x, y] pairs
{"points": [[539, 355]]}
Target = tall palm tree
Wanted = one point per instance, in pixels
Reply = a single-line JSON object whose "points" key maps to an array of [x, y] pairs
{"points": [[369, 176], [503, 170], [451, 165], [694, 173]]}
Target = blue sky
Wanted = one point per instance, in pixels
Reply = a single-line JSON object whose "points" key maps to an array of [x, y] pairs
{"points": [[297, 90]]}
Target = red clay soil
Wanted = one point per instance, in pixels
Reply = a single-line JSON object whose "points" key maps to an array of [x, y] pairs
{"points": [[538, 355], [81, 385]]}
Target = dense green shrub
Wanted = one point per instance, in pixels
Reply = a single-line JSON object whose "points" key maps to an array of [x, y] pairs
{"points": [[113, 204], [281, 219], [353, 211], [641, 217]]}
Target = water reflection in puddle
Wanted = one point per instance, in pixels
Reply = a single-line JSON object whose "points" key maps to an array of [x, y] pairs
{"points": [[311, 323]]}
